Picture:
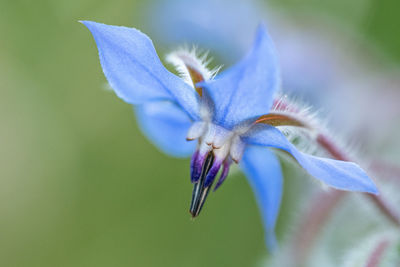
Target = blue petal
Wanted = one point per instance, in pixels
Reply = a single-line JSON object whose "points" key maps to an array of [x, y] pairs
{"points": [[263, 170], [338, 174], [246, 90], [166, 125], [133, 69]]}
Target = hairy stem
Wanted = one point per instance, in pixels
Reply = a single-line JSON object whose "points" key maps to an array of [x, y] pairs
{"points": [[324, 204], [376, 256], [384, 207], [387, 170]]}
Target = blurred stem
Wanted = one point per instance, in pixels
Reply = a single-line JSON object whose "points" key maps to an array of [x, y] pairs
{"points": [[386, 170], [376, 256], [384, 207], [323, 205]]}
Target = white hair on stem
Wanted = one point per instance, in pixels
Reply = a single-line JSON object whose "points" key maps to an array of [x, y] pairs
{"points": [[184, 57], [305, 138]]}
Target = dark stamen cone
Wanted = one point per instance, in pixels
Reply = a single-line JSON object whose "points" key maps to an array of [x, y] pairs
{"points": [[200, 192]]}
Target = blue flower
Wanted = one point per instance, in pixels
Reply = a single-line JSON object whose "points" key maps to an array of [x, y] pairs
{"points": [[229, 115]]}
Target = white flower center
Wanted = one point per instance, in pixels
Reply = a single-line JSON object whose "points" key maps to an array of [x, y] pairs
{"points": [[215, 138]]}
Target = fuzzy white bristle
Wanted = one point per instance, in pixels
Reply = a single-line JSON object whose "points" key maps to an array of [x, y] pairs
{"points": [[303, 138], [184, 57], [296, 108]]}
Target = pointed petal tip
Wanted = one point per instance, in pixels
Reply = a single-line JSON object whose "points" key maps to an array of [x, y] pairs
{"points": [[342, 175], [94, 26], [256, 74], [369, 187], [134, 70], [87, 23], [373, 189], [91, 25], [262, 29]]}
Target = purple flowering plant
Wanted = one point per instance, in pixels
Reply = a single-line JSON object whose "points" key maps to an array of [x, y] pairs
{"points": [[236, 116]]}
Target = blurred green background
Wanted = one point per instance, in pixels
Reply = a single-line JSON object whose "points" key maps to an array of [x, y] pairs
{"points": [[79, 183]]}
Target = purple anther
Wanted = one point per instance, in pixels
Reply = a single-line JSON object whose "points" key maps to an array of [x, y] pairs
{"points": [[224, 174], [212, 173]]}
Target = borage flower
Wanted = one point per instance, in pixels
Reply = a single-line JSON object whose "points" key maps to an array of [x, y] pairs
{"points": [[229, 115]]}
